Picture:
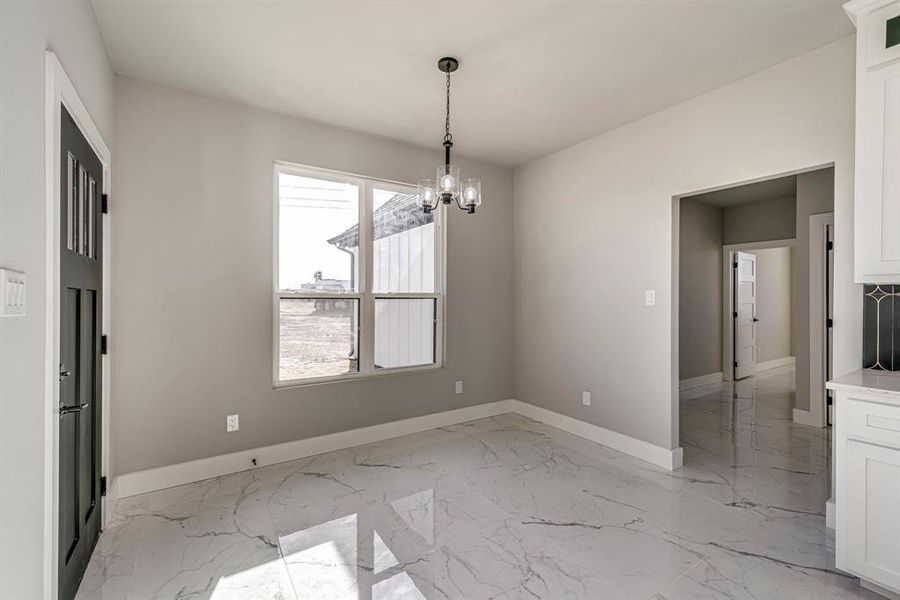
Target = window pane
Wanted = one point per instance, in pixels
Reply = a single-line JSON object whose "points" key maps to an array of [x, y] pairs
{"points": [[403, 256], [318, 235], [318, 337], [404, 332]]}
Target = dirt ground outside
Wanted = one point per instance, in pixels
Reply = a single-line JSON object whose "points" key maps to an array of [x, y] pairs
{"points": [[316, 342]]}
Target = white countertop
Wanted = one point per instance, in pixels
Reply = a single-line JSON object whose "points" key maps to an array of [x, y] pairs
{"points": [[868, 380]]}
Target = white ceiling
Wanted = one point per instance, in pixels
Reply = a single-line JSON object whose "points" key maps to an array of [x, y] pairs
{"points": [[750, 193], [535, 76]]}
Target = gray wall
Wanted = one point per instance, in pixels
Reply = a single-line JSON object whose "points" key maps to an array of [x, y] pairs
{"points": [[767, 220], [815, 195], [192, 281], [594, 229], [27, 29], [773, 303], [700, 290]]}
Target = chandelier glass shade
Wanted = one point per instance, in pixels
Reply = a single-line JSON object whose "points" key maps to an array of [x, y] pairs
{"points": [[448, 184]]}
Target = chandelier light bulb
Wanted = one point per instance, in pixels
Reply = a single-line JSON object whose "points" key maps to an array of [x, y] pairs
{"points": [[470, 199], [448, 182], [426, 195]]}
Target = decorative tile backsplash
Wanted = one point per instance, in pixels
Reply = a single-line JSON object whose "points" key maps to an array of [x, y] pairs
{"points": [[881, 327]]}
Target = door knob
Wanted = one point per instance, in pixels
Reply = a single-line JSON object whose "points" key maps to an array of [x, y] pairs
{"points": [[755, 320], [64, 410], [63, 372]]}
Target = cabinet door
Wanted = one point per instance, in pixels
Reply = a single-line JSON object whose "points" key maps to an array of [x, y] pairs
{"points": [[872, 526], [877, 196]]}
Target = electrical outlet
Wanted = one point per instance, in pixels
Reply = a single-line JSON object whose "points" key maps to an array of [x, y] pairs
{"points": [[650, 297], [232, 423], [586, 398], [459, 387]]}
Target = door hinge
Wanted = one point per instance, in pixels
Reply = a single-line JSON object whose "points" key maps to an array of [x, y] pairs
{"points": [[734, 265], [734, 314], [104, 203], [829, 400], [735, 364], [103, 485], [829, 322], [829, 245], [104, 344]]}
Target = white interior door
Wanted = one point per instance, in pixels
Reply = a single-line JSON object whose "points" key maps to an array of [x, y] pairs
{"points": [[745, 315]]}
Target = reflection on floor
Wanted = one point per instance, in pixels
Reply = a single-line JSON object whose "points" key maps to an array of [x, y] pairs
{"points": [[501, 508]]}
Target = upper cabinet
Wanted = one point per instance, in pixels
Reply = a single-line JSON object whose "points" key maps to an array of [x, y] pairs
{"points": [[877, 172]]}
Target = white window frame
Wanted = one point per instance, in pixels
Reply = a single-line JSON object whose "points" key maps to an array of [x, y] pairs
{"points": [[364, 294]]}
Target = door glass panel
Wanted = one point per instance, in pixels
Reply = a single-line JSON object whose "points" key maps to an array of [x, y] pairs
{"points": [[318, 337], [91, 218], [71, 196], [404, 332], [318, 235], [80, 210], [404, 244]]}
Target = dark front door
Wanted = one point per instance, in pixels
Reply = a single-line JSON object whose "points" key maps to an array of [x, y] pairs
{"points": [[80, 296]]}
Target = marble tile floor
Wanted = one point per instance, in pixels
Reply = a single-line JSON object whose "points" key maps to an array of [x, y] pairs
{"points": [[503, 508]]}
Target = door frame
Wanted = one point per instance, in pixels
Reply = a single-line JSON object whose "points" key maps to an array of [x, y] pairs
{"points": [[60, 92], [819, 352], [728, 252]]}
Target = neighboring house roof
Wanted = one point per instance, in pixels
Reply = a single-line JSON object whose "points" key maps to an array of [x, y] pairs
{"points": [[398, 214]]}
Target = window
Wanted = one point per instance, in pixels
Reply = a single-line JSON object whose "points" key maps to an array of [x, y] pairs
{"points": [[353, 300]]}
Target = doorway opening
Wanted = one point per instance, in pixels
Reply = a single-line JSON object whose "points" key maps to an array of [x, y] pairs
{"points": [[755, 265]]}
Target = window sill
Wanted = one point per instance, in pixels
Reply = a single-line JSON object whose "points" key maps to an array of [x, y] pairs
{"points": [[356, 377]]}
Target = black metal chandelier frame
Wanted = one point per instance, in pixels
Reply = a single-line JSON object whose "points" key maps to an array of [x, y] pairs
{"points": [[448, 186]]}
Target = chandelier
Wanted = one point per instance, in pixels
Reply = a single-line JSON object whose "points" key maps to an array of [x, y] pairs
{"points": [[449, 186]]}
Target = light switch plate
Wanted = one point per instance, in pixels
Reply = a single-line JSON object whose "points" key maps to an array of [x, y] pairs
{"points": [[459, 387], [586, 398], [12, 293], [650, 297]]}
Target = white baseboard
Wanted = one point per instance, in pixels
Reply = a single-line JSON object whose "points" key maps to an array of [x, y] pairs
{"points": [[775, 363], [829, 514], [139, 482], [110, 501], [651, 453], [700, 381], [881, 591]]}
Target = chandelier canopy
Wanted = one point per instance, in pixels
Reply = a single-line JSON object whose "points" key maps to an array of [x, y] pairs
{"points": [[449, 184]]}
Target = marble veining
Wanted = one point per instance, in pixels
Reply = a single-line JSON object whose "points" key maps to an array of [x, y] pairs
{"points": [[505, 508]]}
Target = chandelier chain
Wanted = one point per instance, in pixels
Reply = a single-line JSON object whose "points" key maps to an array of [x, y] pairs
{"points": [[447, 135]]}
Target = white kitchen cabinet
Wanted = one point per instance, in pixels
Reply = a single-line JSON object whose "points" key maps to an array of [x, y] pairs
{"points": [[877, 162], [872, 533], [867, 478]]}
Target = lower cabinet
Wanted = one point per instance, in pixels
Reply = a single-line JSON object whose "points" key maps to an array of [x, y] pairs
{"points": [[872, 534]]}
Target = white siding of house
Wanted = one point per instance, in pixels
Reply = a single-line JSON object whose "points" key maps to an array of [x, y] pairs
{"points": [[404, 329]]}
